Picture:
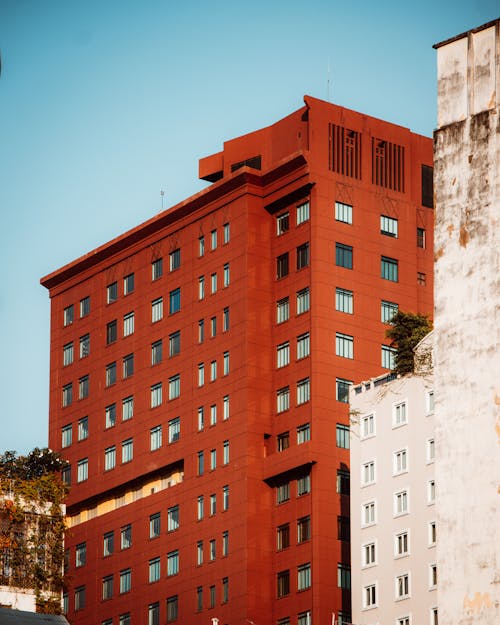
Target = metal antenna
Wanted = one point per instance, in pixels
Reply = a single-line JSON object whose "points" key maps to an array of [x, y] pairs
{"points": [[162, 193]]}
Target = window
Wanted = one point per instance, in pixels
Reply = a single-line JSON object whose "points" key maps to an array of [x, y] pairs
{"points": [[303, 529], [157, 309], [68, 314], [124, 619], [302, 213], [199, 552], [343, 212], [343, 528], [201, 374], [128, 365], [66, 475], [421, 237], [388, 226], [199, 598], [434, 616], [405, 620], [156, 352], [302, 256], [303, 433], [110, 415], [213, 326], [200, 507], [126, 537], [213, 370], [201, 287], [81, 555], [172, 563], [303, 346], [83, 387], [174, 386], [344, 300], [367, 426], [343, 482], [128, 284], [342, 390], [368, 513], [127, 450], [283, 399], [201, 463], [111, 332], [227, 277], [342, 436], [109, 458], [344, 345], [402, 586], [107, 587], [112, 292], [431, 492], [155, 437], [302, 301], [225, 363], [108, 544], [111, 373], [343, 576], [175, 300], [432, 576], [154, 570], [157, 269], [304, 576], [432, 533], [400, 463], [399, 416], [303, 485], [201, 418], [225, 589], [227, 233], [368, 473], [172, 608], [201, 330], [213, 283], [421, 278], [304, 618], [79, 598], [175, 259], [343, 255], [174, 430], [225, 543], [368, 554], [401, 544], [225, 497], [282, 223], [201, 246], [154, 525], [370, 596], [225, 452], [225, 320], [212, 549], [283, 492], [212, 597], [387, 311], [125, 581], [213, 239], [430, 402], [401, 503], [127, 408], [154, 614], [128, 324], [282, 310], [283, 621], [82, 470], [282, 266], [67, 354], [283, 537], [389, 269], [388, 357], [303, 391], [66, 435], [173, 518], [431, 452], [213, 459], [283, 355], [225, 407], [84, 345], [283, 579], [67, 394], [83, 428]]}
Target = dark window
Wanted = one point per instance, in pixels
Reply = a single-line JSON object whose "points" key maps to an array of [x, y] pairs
{"points": [[84, 306], [175, 300], [172, 609], [111, 332], [282, 223], [421, 237], [174, 343], [128, 284], [343, 255], [157, 269], [283, 441], [112, 292], [128, 365], [344, 151], [282, 266], [388, 165], [342, 436], [343, 482], [343, 528], [303, 529], [389, 269], [175, 259], [283, 583], [303, 256], [427, 186], [283, 536]]}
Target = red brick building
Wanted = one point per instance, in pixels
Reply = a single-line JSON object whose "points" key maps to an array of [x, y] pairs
{"points": [[199, 372]]}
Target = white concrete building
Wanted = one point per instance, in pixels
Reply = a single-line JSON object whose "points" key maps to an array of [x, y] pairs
{"points": [[393, 518]]}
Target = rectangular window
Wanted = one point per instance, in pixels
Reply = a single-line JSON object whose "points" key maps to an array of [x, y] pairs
{"points": [[212, 549], [200, 507], [343, 576], [199, 598], [225, 407], [66, 435], [201, 287], [225, 543], [303, 529], [389, 268], [156, 395], [212, 597], [128, 365], [82, 470], [432, 533], [83, 428], [213, 504], [303, 391], [431, 450], [68, 314], [387, 311], [225, 497], [430, 402], [388, 357], [154, 525], [128, 284], [283, 579], [213, 239], [174, 386], [400, 503], [302, 213], [388, 164], [402, 586], [304, 576], [343, 212], [66, 475], [225, 319], [302, 256], [283, 441], [343, 528], [303, 346], [368, 513], [302, 301], [175, 259], [388, 226], [303, 433], [81, 555], [154, 614], [342, 432], [174, 343], [108, 544], [304, 618], [344, 345], [173, 518], [201, 418], [225, 452], [225, 363], [370, 596], [431, 492], [342, 390], [343, 255], [368, 473], [111, 332], [399, 416], [126, 537], [112, 292], [201, 330], [127, 408], [227, 276], [303, 485], [201, 374], [421, 238], [157, 269], [282, 223], [213, 326], [427, 176], [79, 598], [157, 309], [156, 352], [155, 437], [227, 233], [172, 608], [225, 589], [368, 554], [175, 301], [67, 394], [199, 553], [201, 246], [213, 370], [283, 355], [401, 544], [213, 283], [174, 430], [124, 619], [283, 537], [283, 492], [400, 461], [107, 587], [110, 416], [343, 482], [282, 266], [128, 324], [282, 310], [421, 278], [67, 354], [201, 463], [154, 570], [84, 345], [127, 450], [111, 373], [109, 458], [367, 426], [344, 300], [283, 399], [344, 156]]}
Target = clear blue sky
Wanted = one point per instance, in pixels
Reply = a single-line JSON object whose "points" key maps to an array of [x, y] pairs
{"points": [[105, 103]]}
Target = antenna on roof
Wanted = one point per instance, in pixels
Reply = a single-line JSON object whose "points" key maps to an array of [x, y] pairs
{"points": [[328, 94], [162, 193]]}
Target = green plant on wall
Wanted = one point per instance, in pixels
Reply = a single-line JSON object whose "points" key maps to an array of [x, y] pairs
{"points": [[406, 331]]}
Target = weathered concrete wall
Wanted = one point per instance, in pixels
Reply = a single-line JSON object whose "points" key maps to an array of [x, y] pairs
{"points": [[467, 336]]}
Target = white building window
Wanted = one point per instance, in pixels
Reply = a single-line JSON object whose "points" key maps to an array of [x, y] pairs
{"points": [[388, 226], [302, 301], [401, 544], [432, 576], [370, 596], [401, 503], [431, 492], [400, 461], [128, 324], [343, 212], [368, 473], [430, 402], [303, 391], [302, 213], [432, 533], [368, 554], [434, 616], [368, 516], [303, 346], [344, 300], [174, 386], [367, 426], [283, 355], [157, 310], [403, 620], [282, 310], [399, 414], [402, 586], [431, 450], [283, 399], [344, 345]]}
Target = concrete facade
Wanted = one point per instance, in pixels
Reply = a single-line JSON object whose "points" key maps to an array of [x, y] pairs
{"points": [[393, 519], [467, 302]]}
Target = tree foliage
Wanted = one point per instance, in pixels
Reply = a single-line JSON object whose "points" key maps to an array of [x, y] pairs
{"points": [[406, 331]]}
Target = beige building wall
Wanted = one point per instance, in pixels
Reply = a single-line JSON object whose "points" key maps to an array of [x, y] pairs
{"points": [[393, 428], [467, 328]]}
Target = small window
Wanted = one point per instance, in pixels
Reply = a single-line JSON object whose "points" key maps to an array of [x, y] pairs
{"points": [[283, 537], [225, 452], [431, 492], [282, 310], [66, 435], [154, 570], [283, 355], [157, 310], [200, 507], [174, 430], [368, 513], [213, 504], [128, 324], [402, 586], [128, 284], [302, 301], [303, 346], [283, 579], [303, 433], [213, 370], [109, 458], [173, 518], [302, 256], [400, 461], [201, 463], [227, 233], [213, 326], [68, 315], [342, 390], [282, 223], [283, 441], [343, 482], [156, 352], [201, 374], [389, 269], [201, 287], [225, 363], [342, 432], [431, 450], [156, 395], [304, 576], [421, 238], [387, 311], [128, 365], [401, 504], [401, 544], [370, 596], [201, 246], [225, 497], [84, 345], [110, 416], [225, 407], [127, 408], [83, 428], [157, 269], [225, 319], [174, 386], [174, 343], [388, 226], [81, 555], [213, 239], [368, 473], [112, 292], [302, 213], [111, 332], [303, 485], [432, 576], [175, 300], [388, 357], [432, 533], [155, 437], [108, 543], [175, 259], [213, 283], [67, 354], [172, 608], [344, 300], [85, 306], [282, 266], [126, 537], [283, 399], [226, 274], [83, 387], [427, 187], [283, 492], [344, 345], [303, 529], [399, 416], [303, 391], [80, 598], [368, 554], [344, 576], [421, 278], [127, 450], [343, 255], [367, 426], [343, 212]]}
